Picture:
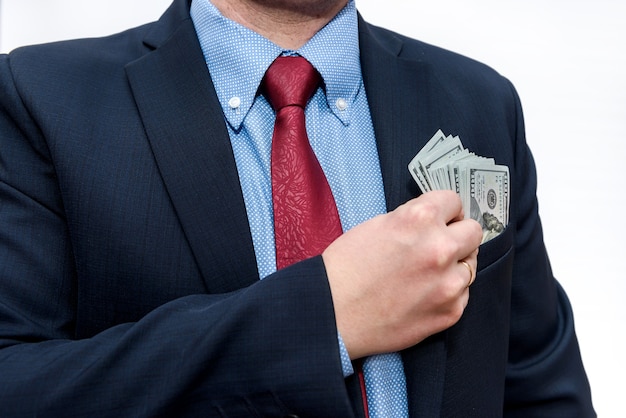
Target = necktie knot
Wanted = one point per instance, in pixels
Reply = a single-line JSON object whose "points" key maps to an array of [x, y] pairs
{"points": [[290, 81]]}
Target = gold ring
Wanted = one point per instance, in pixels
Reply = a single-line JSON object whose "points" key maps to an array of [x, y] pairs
{"points": [[471, 272]]}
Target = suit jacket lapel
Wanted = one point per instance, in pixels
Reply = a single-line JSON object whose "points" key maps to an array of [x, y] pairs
{"points": [[402, 96], [188, 136]]}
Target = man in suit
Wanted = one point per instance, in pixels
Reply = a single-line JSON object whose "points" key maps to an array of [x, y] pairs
{"points": [[134, 231]]}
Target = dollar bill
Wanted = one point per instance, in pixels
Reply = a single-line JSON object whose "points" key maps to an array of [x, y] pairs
{"points": [[486, 198], [439, 148], [483, 185]]}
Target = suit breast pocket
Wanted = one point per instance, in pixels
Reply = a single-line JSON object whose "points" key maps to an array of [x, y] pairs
{"points": [[477, 345], [495, 250]]}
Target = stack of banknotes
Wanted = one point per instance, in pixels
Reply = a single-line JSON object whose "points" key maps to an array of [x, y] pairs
{"points": [[484, 187]]}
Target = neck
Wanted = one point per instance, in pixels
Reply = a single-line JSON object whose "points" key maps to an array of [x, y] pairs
{"points": [[287, 23]]}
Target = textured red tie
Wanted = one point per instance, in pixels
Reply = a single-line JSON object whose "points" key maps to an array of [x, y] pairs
{"points": [[306, 220]]}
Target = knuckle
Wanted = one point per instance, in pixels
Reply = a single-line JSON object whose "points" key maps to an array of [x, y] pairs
{"points": [[444, 252], [477, 231], [452, 316], [449, 291], [456, 313], [425, 213]]}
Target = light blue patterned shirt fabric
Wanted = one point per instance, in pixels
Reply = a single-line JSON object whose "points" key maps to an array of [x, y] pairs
{"points": [[341, 134]]}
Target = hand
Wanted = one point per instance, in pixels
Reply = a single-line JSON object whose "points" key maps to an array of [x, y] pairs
{"points": [[396, 279]]}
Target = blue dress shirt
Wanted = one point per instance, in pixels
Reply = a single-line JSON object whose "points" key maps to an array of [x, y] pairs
{"points": [[340, 130]]}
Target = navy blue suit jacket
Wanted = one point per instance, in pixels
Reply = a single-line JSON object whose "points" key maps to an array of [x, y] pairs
{"points": [[128, 281]]}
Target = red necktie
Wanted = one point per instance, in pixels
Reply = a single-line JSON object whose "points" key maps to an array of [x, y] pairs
{"points": [[306, 220]]}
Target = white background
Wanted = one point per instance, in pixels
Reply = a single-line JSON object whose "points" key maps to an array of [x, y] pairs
{"points": [[568, 62]]}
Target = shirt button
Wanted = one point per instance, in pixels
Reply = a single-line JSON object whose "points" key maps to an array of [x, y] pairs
{"points": [[234, 102], [341, 104]]}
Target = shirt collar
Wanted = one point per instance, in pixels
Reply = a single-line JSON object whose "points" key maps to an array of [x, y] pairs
{"points": [[238, 57]]}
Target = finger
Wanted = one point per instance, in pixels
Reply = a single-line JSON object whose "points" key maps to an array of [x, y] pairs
{"points": [[470, 263], [442, 205], [469, 269], [468, 234]]}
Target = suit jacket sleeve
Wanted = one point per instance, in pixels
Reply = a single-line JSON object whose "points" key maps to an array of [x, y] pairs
{"points": [[545, 374], [262, 351]]}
